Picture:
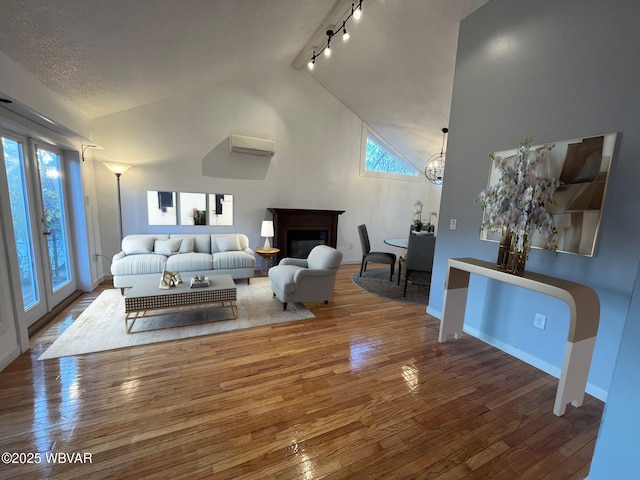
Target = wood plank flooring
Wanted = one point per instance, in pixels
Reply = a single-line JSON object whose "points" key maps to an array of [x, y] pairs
{"points": [[363, 391]]}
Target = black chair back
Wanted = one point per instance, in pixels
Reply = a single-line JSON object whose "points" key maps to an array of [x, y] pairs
{"points": [[364, 239], [420, 251]]}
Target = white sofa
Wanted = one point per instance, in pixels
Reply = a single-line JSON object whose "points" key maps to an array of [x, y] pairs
{"points": [[147, 255]]}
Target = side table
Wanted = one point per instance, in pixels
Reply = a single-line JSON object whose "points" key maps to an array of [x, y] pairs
{"points": [[267, 257]]}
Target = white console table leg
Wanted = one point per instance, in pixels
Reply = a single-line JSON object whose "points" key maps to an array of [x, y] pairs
{"points": [[455, 304], [575, 371]]}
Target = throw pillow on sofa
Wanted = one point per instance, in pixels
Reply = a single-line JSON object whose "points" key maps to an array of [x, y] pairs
{"points": [[228, 244], [133, 245], [167, 247], [187, 245]]}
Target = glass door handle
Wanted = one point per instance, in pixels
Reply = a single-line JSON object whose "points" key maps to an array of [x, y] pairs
{"points": [[46, 232]]}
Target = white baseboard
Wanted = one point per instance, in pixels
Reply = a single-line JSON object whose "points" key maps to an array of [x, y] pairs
{"points": [[548, 368], [9, 357]]}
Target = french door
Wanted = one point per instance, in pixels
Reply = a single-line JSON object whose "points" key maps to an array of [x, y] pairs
{"points": [[38, 207]]}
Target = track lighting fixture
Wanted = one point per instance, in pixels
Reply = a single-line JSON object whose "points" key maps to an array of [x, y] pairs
{"points": [[356, 12]]}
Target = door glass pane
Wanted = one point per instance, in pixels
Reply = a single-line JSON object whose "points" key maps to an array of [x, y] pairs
{"points": [[55, 221], [14, 165]]}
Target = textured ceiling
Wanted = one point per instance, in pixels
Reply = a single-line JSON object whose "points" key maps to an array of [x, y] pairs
{"points": [[106, 56], [111, 55]]}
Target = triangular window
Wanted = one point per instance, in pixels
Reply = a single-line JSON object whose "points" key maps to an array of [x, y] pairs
{"points": [[381, 160]]}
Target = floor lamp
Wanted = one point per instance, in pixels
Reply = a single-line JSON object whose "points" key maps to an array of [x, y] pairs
{"points": [[118, 169]]}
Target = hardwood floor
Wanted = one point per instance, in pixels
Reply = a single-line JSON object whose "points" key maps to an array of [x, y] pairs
{"points": [[364, 390]]}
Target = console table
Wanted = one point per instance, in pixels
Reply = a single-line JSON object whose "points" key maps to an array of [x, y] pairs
{"points": [[584, 310]]}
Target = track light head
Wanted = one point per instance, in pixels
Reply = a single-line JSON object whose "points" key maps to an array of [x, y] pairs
{"points": [[358, 11]]}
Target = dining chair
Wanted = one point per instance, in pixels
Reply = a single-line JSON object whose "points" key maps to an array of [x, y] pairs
{"points": [[374, 257], [419, 260]]}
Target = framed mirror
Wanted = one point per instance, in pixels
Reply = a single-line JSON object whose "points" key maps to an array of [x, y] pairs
{"points": [[161, 208], [193, 208], [582, 166], [220, 209]]}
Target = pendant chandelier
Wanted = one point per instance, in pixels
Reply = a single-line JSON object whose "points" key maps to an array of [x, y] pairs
{"points": [[434, 168]]}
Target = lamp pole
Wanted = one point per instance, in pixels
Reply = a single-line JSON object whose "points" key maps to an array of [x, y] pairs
{"points": [[118, 169], [119, 204]]}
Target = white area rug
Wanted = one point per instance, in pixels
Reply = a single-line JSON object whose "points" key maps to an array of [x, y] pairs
{"points": [[101, 326]]}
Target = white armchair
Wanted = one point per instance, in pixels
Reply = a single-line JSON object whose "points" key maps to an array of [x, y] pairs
{"points": [[306, 280]]}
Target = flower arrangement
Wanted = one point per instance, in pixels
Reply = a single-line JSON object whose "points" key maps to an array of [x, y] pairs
{"points": [[417, 213], [418, 221], [519, 203], [431, 215]]}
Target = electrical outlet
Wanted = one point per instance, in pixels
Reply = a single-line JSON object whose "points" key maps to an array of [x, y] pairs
{"points": [[453, 223], [540, 321]]}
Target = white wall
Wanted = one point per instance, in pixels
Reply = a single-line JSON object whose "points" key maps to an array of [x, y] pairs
{"points": [[180, 144], [521, 70]]}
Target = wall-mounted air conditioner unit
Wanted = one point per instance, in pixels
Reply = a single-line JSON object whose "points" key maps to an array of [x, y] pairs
{"points": [[252, 146]]}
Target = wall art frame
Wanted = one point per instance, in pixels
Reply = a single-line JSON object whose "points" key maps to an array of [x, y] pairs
{"points": [[189, 208], [582, 166]]}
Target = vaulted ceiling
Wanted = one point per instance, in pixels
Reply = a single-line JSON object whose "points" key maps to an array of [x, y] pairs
{"points": [[105, 56]]}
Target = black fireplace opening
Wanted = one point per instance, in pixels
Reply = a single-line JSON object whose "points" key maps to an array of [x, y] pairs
{"points": [[301, 242]]}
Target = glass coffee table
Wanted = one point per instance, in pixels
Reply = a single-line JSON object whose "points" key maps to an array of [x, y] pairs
{"points": [[146, 300]]}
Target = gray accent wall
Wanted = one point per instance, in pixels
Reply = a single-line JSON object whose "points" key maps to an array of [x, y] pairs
{"points": [[556, 71]]}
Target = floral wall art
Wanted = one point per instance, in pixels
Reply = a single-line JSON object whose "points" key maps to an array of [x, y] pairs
{"points": [[580, 168]]}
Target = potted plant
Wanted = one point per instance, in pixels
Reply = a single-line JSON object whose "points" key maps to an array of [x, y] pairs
{"points": [[417, 213], [429, 226]]}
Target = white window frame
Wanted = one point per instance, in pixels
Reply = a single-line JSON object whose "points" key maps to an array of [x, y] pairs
{"points": [[368, 132]]}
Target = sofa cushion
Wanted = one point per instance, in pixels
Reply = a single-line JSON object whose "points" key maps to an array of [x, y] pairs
{"points": [[139, 264], [189, 262], [229, 260], [187, 245], [167, 247], [188, 242], [136, 244], [202, 242], [228, 243]]}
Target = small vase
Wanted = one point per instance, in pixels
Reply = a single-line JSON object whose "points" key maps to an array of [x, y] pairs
{"points": [[418, 227], [517, 259], [503, 249]]}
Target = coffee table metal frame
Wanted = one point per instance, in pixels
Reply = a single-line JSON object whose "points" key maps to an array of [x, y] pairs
{"points": [[146, 300]]}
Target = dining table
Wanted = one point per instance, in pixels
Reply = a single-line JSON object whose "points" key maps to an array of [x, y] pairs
{"points": [[397, 242]]}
